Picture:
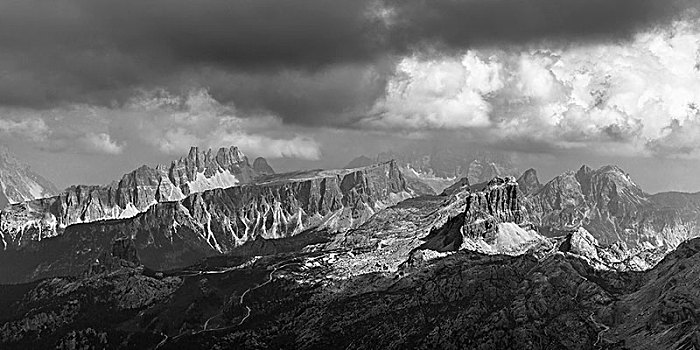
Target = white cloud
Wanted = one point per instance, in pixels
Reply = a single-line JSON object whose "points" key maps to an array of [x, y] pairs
{"points": [[535, 80], [101, 143], [157, 120], [681, 139], [175, 123], [625, 98], [32, 128], [432, 94]]}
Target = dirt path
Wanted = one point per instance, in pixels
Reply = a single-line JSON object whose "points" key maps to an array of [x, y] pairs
{"points": [[599, 325], [269, 280]]}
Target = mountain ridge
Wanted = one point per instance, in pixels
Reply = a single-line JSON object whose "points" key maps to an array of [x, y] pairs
{"points": [[215, 221], [135, 192]]}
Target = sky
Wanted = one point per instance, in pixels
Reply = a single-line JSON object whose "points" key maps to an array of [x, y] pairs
{"points": [[90, 89]]}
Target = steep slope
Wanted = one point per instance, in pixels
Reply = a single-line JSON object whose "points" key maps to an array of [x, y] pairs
{"points": [[493, 222], [261, 166], [529, 183], [465, 300], [134, 193], [18, 183], [213, 222], [3, 200], [615, 210]]}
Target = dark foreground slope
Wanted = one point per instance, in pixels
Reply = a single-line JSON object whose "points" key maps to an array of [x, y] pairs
{"points": [[305, 301]]}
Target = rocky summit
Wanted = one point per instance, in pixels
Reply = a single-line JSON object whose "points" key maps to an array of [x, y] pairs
{"points": [[137, 191], [18, 183], [616, 212], [261, 166]]}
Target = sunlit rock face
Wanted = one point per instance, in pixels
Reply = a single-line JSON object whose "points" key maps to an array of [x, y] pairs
{"points": [[631, 227], [18, 183], [609, 205], [136, 192], [493, 222], [214, 222], [600, 215]]}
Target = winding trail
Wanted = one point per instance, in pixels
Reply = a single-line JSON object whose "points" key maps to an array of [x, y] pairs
{"points": [[599, 325], [162, 341], [269, 280]]}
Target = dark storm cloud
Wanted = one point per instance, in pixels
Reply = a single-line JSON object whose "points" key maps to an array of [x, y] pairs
{"points": [[288, 57], [462, 23]]}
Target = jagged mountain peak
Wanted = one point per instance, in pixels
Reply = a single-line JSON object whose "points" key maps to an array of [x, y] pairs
{"points": [[18, 183], [591, 181], [584, 170], [528, 182], [610, 171], [262, 167], [134, 193], [201, 160], [608, 204]]}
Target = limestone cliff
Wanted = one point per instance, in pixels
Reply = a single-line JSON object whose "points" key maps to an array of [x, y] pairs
{"points": [[213, 222], [134, 193]]}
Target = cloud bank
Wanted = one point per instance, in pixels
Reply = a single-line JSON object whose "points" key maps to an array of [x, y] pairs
{"points": [[311, 79]]}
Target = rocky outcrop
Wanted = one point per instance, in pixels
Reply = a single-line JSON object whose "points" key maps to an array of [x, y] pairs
{"points": [[528, 182], [493, 222], [134, 193], [615, 210], [18, 183], [261, 167], [216, 221], [498, 203]]}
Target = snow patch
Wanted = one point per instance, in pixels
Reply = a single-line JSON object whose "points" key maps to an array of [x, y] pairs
{"points": [[219, 180], [129, 212], [510, 239], [35, 190]]}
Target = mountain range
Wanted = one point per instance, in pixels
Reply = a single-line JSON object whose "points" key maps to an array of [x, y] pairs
{"points": [[136, 192], [213, 252], [429, 173]]}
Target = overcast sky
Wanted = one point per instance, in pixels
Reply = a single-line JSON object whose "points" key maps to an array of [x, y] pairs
{"points": [[90, 89]]}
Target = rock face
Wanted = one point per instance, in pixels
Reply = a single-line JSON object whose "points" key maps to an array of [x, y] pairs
{"points": [[498, 203], [528, 182], [216, 221], [261, 167], [493, 222], [134, 193], [18, 183], [615, 210]]}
